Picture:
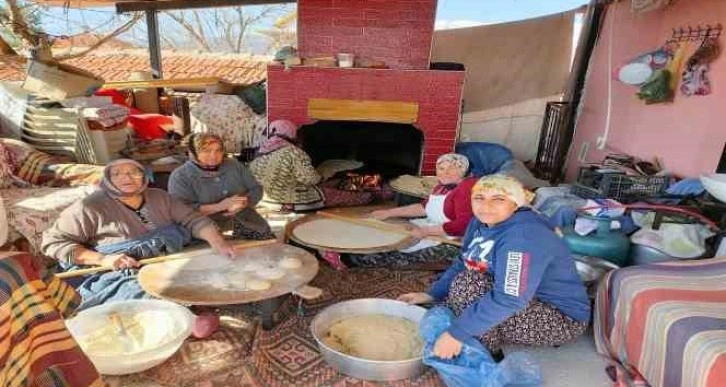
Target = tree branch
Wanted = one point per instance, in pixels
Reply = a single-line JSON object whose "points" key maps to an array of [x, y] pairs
{"points": [[19, 26], [189, 28], [118, 31]]}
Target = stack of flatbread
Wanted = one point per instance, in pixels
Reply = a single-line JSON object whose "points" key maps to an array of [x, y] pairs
{"points": [[418, 186]]}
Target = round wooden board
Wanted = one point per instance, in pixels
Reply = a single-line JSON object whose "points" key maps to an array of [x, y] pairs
{"points": [[208, 279], [405, 241]]}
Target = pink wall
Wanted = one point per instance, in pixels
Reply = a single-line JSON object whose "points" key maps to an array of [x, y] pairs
{"points": [[397, 32], [687, 135]]}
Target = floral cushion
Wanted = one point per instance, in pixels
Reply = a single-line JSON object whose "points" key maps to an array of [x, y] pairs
{"points": [[30, 211], [228, 117]]}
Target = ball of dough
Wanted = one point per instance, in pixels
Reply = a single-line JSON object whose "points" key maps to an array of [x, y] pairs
{"points": [[290, 263], [270, 274], [254, 266], [259, 285]]}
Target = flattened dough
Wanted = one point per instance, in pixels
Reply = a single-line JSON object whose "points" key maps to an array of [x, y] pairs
{"points": [[290, 263], [254, 266], [271, 274], [259, 285], [345, 235]]}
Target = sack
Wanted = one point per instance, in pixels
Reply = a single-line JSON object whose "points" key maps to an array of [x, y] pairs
{"points": [[474, 366]]}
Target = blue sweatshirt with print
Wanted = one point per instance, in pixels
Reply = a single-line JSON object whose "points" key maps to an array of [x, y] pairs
{"points": [[527, 260]]}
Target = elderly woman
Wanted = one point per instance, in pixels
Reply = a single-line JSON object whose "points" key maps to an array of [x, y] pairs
{"points": [[286, 172], [219, 187], [122, 222], [447, 212], [515, 283]]}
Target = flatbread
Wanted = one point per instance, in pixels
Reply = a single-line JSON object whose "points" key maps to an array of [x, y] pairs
{"points": [[344, 235], [259, 285], [270, 273], [290, 263]]}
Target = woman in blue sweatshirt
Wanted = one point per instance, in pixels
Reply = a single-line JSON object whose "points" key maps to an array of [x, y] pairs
{"points": [[515, 282]]}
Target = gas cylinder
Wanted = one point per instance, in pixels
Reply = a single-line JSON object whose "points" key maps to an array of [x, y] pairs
{"points": [[611, 245]]}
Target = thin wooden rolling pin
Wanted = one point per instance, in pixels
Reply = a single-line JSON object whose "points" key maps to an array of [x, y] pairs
{"points": [[385, 227], [171, 257]]}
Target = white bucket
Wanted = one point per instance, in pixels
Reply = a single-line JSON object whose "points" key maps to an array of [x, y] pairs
{"points": [[345, 60]]}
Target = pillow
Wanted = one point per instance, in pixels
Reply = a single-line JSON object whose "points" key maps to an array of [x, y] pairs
{"points": [[7, 166], [150, 126]]}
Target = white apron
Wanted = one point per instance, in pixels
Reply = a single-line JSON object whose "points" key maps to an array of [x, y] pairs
{"points": [[434, 217]]}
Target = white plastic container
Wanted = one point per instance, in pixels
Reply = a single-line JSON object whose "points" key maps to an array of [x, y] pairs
{"points": [[345, 60], [165, 327]]}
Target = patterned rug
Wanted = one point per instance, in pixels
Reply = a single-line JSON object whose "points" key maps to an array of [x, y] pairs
{"points": [[242, 354]]}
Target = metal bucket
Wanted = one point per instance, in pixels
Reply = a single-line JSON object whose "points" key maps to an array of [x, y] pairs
{"points": [[362, 368]]}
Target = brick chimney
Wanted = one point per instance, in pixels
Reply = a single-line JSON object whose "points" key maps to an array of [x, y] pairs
{"points": [[395, 32]]}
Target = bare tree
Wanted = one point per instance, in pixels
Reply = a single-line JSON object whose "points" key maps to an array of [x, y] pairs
{"points": [[18, 20], [220, 28]]}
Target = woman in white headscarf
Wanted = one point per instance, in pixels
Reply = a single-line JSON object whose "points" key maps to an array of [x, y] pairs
{"points": [[515, 282], [445, 213], [119, 224]]}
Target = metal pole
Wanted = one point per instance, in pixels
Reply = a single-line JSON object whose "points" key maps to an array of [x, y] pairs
{"points": [[152, 27]]}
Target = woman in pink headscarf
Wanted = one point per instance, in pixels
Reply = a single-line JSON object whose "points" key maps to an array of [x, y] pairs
{"points": [[286, 172]]}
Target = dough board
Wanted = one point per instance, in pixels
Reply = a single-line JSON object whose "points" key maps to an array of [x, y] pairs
{"points": [[209, 279], [319, 232]]}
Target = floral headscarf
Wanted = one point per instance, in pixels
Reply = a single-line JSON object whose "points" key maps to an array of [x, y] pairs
{"points": [[196, 142], [112, 190], [282, 133], [505, 185], [459, 161]]}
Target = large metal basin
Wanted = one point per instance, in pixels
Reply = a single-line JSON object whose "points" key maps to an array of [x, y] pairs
{"points": [[362, 368]]}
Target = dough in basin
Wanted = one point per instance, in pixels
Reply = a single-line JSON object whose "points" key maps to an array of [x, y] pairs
{"points": [[344, 235], [290, 263], [375, 337], [259, 285]]}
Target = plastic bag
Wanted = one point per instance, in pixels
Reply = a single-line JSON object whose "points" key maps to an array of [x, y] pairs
{"points": [[474, 366]]}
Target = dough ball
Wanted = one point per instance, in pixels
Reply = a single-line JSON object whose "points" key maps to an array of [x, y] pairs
{"points": [[254, 266], [259, 285], [271, 274], [290, 263]]}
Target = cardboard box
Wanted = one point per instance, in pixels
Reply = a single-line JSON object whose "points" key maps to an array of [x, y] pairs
{"points": [[58, 81], [147, 100]]}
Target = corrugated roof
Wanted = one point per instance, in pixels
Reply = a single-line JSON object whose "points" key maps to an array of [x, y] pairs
{"points": [[118, 65]]}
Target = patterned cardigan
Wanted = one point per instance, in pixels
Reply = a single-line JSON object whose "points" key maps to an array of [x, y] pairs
{"points": [[287, 176]]}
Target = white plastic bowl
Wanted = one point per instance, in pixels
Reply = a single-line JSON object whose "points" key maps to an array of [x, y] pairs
{"points": [[172, 324], [715, 184]]}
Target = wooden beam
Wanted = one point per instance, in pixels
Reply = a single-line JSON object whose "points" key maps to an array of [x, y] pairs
{"points": [[152, 29], [363, 110], [166, 5]]}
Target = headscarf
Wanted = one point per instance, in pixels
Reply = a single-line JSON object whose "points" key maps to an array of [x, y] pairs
{"points": [[457, 160], [505, 185], [195, 142], [112, 190], [282, 133]]}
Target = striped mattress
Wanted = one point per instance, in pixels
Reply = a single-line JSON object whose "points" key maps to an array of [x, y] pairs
{"points": [[665, 324]]}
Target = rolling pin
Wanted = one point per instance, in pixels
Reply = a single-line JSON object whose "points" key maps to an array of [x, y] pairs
{"points": [[385, 227], [149, 261]]}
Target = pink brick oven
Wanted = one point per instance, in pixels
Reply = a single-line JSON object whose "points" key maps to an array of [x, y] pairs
{"points": [[395, 32]]}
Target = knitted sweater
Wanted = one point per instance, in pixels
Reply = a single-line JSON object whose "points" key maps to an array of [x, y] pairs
{"points": [[99, 219]]}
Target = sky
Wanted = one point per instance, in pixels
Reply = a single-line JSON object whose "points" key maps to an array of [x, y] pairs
{"points": [[465, 13], [450, 14]]}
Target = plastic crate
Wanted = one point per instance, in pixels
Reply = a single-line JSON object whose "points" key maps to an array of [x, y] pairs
{"points": [[620, 186]]}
